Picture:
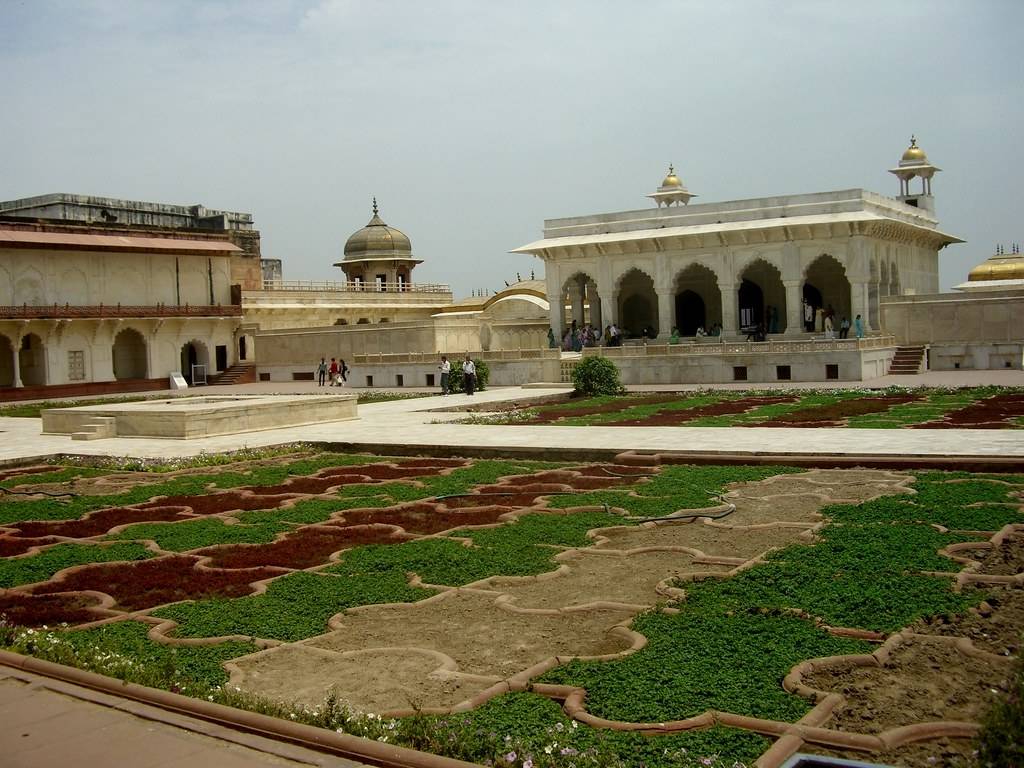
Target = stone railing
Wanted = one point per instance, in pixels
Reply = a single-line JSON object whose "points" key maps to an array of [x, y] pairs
{"points": [[67, 311], [727, 347], [349, 286], [429, 357]]}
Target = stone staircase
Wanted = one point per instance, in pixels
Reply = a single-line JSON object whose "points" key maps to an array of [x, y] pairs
{"points": [[242, 373], [907, 361], [99, 428]]}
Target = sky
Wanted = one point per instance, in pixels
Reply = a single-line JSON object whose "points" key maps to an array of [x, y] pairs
{"points": [[473, 121]]}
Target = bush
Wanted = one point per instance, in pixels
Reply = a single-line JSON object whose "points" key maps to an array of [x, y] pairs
{"points": [[1001, 740], [456, 383], [597, 376]]}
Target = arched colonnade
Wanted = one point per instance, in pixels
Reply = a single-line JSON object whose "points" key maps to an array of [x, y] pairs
{"points": [[756, 298]]}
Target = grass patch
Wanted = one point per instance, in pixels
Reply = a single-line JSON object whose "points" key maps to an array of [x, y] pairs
{"points": [[294, 606], [195, 534], [15, 571]]}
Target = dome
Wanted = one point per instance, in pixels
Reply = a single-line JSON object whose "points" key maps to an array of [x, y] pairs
{"points": [[914, 153], [377, 241], [1002, 266], [671, 181]]}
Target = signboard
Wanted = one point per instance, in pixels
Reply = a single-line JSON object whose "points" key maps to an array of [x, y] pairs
{"points": [[178, 381]]}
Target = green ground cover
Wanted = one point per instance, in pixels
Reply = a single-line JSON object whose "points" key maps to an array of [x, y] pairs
{"points": [[933, 405], [56, 476], [15, 571], [293, 607], [204, 532], [14, 509]]}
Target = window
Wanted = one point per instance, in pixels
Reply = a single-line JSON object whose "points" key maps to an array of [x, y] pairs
{"points": [[430, 379], [783, 373], [739, 373], [76, 365], [832, 371], [369, 381], [399, 380]]}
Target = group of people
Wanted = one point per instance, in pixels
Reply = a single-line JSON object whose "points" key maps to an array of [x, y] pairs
{"points": [[468, 374], [577, 337], [336, 372], [824, 319]]}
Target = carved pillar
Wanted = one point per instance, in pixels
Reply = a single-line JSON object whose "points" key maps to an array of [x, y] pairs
{"points": [[730, 327], [594, 300], [794, 308], [556, 306], [666, 300], [862, 304], [576, 297], [17, 359]]}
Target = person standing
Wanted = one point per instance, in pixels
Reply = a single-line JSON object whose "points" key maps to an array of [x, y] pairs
{"points": [[844, 328], [469, 375], [446, 370], [321, 372], [342, 373], [858, 327], [333, 370]]}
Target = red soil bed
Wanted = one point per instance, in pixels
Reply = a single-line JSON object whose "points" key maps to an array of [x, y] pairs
{"points": [[36, 611], [7, 474], [440, 463], [503, 501], [426, 518], [546, 417], [305, 548], [213, 503], [994, 412], [154, 582], [337, 476], [12, 545], [836, 414], [97, 523], [672, 418]]}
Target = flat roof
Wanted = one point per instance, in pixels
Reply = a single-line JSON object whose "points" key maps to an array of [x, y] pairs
{"points": [[74, 241]]}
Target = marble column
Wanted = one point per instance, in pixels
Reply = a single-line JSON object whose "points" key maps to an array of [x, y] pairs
{"points": [[861, 304], [594, 300], [794, 308], [556, 302], [607, 311], [666, 302], [16, 361], [576, 296], [730, 304]]}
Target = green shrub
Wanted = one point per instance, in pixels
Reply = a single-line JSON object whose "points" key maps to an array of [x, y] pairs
{"points": [[456, 382], [597, 376]]}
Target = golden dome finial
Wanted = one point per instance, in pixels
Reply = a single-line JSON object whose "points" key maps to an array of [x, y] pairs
{"points": [[914, 153], [375, 205], [671, 180]]}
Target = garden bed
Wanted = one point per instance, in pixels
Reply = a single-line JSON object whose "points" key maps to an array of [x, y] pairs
{"points": [[497, 607]]}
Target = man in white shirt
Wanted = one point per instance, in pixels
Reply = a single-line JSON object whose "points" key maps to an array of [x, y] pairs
{"points": [[446, 369], [469, 375]]}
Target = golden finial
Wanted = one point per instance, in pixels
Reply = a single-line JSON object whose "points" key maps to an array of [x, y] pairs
{"points": [[913, 140], [374, 206]]}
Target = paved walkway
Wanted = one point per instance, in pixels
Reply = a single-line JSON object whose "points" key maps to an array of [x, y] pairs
{"points": [[52, 724], [415, 422]]}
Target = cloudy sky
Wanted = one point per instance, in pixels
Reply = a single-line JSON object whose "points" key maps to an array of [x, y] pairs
{"points": [[473, 121]]}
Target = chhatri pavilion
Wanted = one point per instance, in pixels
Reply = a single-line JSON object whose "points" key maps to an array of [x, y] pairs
{"points": [[745, 263]]}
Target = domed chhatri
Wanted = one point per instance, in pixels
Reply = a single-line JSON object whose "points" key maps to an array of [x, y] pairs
{"points": [[1001, 266], [377, 240], [914, 164], [671, 181], [914, 155], [379, 255], [672, 190]]}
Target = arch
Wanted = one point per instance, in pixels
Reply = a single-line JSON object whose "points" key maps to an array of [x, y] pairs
{"points": [[341, 321], [6, 288], [761, 297], [638, 304], [127, 282], [363, 321], [6, 362], [74, 288], [28, 289], [194, 352], [32, 361], [129, 355], [698, 299], [580, 300], [828, 276]]}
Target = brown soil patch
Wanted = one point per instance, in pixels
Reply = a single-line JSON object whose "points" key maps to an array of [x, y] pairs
{"points": [[7, 474], [308, 546], [836, 414], [1005, 560], [601, 576], [39, 610], [148, 583], [371, 681], [215, 503], [556, 414], [922, 681], [425, 517], [98, 523], [458, 623], [712, 540], [670, 418], [996, 412], [999, 630], [13, 545]]}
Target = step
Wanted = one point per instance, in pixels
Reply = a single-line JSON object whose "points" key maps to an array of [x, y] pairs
{"points": [[102, 427]]}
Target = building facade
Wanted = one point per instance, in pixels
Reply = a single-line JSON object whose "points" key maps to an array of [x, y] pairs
{"points": [[776, 264]]}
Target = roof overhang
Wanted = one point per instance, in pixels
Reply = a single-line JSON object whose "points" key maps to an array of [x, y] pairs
{"points": [[738, 232], [68, 241]]}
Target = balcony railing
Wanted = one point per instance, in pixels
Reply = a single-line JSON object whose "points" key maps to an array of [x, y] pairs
{"points": [[64, 311], [350, 286]]}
